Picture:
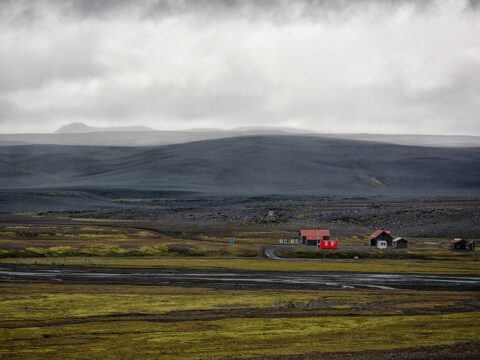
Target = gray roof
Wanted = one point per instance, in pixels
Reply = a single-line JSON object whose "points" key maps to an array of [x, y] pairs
{"points": [[399, 238]]}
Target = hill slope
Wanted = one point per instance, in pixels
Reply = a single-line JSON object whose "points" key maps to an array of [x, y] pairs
{"points": [[287, 165], [81, 134], [138, 137]]}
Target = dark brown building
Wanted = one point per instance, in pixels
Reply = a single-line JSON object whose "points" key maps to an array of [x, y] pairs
{"points": [[459, 244], [400, 243], [381, 235]]}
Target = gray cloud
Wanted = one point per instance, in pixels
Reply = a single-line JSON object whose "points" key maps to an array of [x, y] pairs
{"points": [[279, 10], [336, 66]]}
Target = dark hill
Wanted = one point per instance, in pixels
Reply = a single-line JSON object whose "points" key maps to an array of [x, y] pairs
{"points": [[81, 134], [287, 165]]}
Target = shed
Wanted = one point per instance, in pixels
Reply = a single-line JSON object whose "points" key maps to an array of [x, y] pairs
{"points": [[312, 237], [328, 244], [471, 246], [458, 244], [400, 243], [381, 235]]}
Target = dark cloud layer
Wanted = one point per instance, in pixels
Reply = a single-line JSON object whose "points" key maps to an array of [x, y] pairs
{"points": [[281, 10], [337, 66]]}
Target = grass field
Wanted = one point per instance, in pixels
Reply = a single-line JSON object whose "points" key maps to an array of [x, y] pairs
{"points": [[111, 321], [122, 240], [133, 245], [136, 239], [380, 266], [52, 320]]}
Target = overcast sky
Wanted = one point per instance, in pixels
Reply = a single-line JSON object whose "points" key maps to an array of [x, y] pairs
{"points": [[329, 66]]}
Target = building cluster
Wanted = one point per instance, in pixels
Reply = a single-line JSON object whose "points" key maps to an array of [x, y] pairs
{"points": [[461, 244], [316, 237], [319, 238], [381, 239]]}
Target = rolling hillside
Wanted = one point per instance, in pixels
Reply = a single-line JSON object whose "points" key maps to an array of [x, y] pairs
{"points": [[286, 165], [81, 134]]}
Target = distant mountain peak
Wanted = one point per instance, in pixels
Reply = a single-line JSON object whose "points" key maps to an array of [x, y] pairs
{"points": [[75, 127], [78, 128]]}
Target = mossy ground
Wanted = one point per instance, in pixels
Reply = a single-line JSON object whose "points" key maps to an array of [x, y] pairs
{"points": [[371, 266], [132, 244], [58, 321], [61, 321]]}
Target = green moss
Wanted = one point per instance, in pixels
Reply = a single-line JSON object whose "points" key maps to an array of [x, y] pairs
{"points": [[227, 338], [59, 321], [374, 265]]}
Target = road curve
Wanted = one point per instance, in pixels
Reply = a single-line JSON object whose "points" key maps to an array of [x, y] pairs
{"points": [[270, 252], [244, 279]]}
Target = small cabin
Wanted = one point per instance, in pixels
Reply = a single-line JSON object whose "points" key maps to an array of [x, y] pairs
{"points": [[399, 243], [458, 244], [382, 244], [461, 244], [313, 237], [381, 235], [328, 244]]}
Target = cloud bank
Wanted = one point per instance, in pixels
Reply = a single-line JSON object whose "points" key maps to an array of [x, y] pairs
{"points": [[329, 66]]}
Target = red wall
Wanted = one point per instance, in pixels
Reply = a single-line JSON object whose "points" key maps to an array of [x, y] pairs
{"points": [[328, 244]]}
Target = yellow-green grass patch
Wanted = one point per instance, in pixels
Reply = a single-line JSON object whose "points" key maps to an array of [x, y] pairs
{"points": [[371, 265], [246, 337]]}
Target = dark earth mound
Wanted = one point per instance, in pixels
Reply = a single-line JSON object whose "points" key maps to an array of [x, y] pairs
{"points": [[255, 165]]}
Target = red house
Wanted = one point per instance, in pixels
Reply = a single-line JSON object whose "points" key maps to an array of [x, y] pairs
{"points": [[381, 235], [328, 244], [313, 237]]}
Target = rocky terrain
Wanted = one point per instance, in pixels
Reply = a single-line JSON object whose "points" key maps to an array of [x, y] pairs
{"points": [[421, 218]]}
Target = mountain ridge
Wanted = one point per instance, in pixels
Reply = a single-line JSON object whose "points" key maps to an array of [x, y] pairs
{"points": [[252, 165], [142, 136]]}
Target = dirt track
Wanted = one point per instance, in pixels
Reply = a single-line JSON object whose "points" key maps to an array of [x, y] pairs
{"points": [[232, 279]]}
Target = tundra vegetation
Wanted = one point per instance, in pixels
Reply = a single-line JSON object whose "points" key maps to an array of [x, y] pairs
{"points": [[130, 245], [40, 319]]}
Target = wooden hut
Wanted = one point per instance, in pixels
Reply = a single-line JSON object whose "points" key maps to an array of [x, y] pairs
{"points": [[458, 244], [471, 246], [381, 235], [328, 244], [399, 243], [313, 237]]}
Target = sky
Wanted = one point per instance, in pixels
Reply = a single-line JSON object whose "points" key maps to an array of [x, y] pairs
{"points": [[338, 66]]}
